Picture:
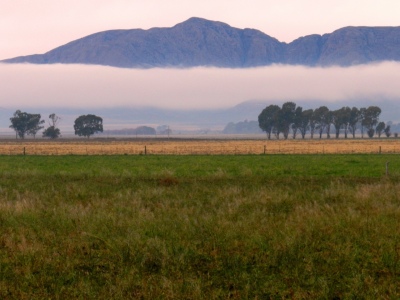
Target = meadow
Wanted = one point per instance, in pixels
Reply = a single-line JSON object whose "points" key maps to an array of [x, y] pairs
{"points": [[199, 226]]}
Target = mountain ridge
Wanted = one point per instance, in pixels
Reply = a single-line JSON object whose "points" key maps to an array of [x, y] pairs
{"points": [[200, 42]]}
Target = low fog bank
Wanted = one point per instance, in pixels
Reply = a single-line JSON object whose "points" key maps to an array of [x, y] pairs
{"points": [[96, 86], [198, 97]]}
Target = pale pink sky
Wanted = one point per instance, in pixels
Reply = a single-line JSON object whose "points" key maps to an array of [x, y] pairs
{"points": [[36, 26]]}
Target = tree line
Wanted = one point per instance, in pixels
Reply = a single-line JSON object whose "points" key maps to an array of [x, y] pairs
{"points": [[24, 124], [292, 119]]}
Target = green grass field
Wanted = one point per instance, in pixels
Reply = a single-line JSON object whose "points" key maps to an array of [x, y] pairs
{"points": [[200, 227]]}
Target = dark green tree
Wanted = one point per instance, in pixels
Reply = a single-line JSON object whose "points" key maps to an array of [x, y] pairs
{"points": [[355, 116], [19, 122], [338, 121], [313, 124], [306, 117], [52, 131], [289, 117], [371, 132], [329, 120], [25, 123], [286, 118], [35, 124], [297, 121], [371, 119], [346, 111], [387, 131], [380, 128], [322, 117], [268, 118], [363, 111], [87, 125], [341, 119]]}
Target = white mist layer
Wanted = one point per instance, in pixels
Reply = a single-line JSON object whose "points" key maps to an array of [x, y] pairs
{"points": [[78, 86]]}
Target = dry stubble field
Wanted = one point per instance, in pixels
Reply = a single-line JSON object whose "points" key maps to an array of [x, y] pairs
{"points": [[196, 147]]}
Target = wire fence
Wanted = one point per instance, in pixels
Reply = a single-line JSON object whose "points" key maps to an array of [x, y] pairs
{"points": [[200, 147]]}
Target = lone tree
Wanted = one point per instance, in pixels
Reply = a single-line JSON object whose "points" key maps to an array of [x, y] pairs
{"points": [[52, 131], [87, 125], [24, 123]]}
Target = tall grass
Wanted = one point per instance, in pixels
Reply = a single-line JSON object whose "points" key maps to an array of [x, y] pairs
{"points": [[245, 227]]}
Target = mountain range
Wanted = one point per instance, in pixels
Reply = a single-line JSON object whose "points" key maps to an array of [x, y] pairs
{"points": [[200, 42]]}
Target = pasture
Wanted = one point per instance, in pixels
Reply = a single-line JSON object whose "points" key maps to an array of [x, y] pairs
{"points": [[199, 226]]}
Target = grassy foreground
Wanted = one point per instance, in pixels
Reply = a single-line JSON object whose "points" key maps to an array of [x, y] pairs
{"points": [[199, 227]]}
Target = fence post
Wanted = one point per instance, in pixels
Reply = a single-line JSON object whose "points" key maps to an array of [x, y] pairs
{"points": [[24, 150], [380, 149], [265, 149]]}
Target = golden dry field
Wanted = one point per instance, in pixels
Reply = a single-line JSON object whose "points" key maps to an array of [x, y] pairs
{"points": [[197, 147]]}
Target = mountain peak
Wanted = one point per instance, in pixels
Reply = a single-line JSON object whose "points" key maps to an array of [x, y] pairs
{"points": [[201, 23], [197, 20]]}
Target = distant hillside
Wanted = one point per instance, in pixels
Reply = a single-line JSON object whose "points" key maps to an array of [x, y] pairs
{"points": [[200, 42], [242, 127]]}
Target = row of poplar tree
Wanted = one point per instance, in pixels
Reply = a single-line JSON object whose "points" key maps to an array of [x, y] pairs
{"points": [[292, 119], [25, 123]]}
